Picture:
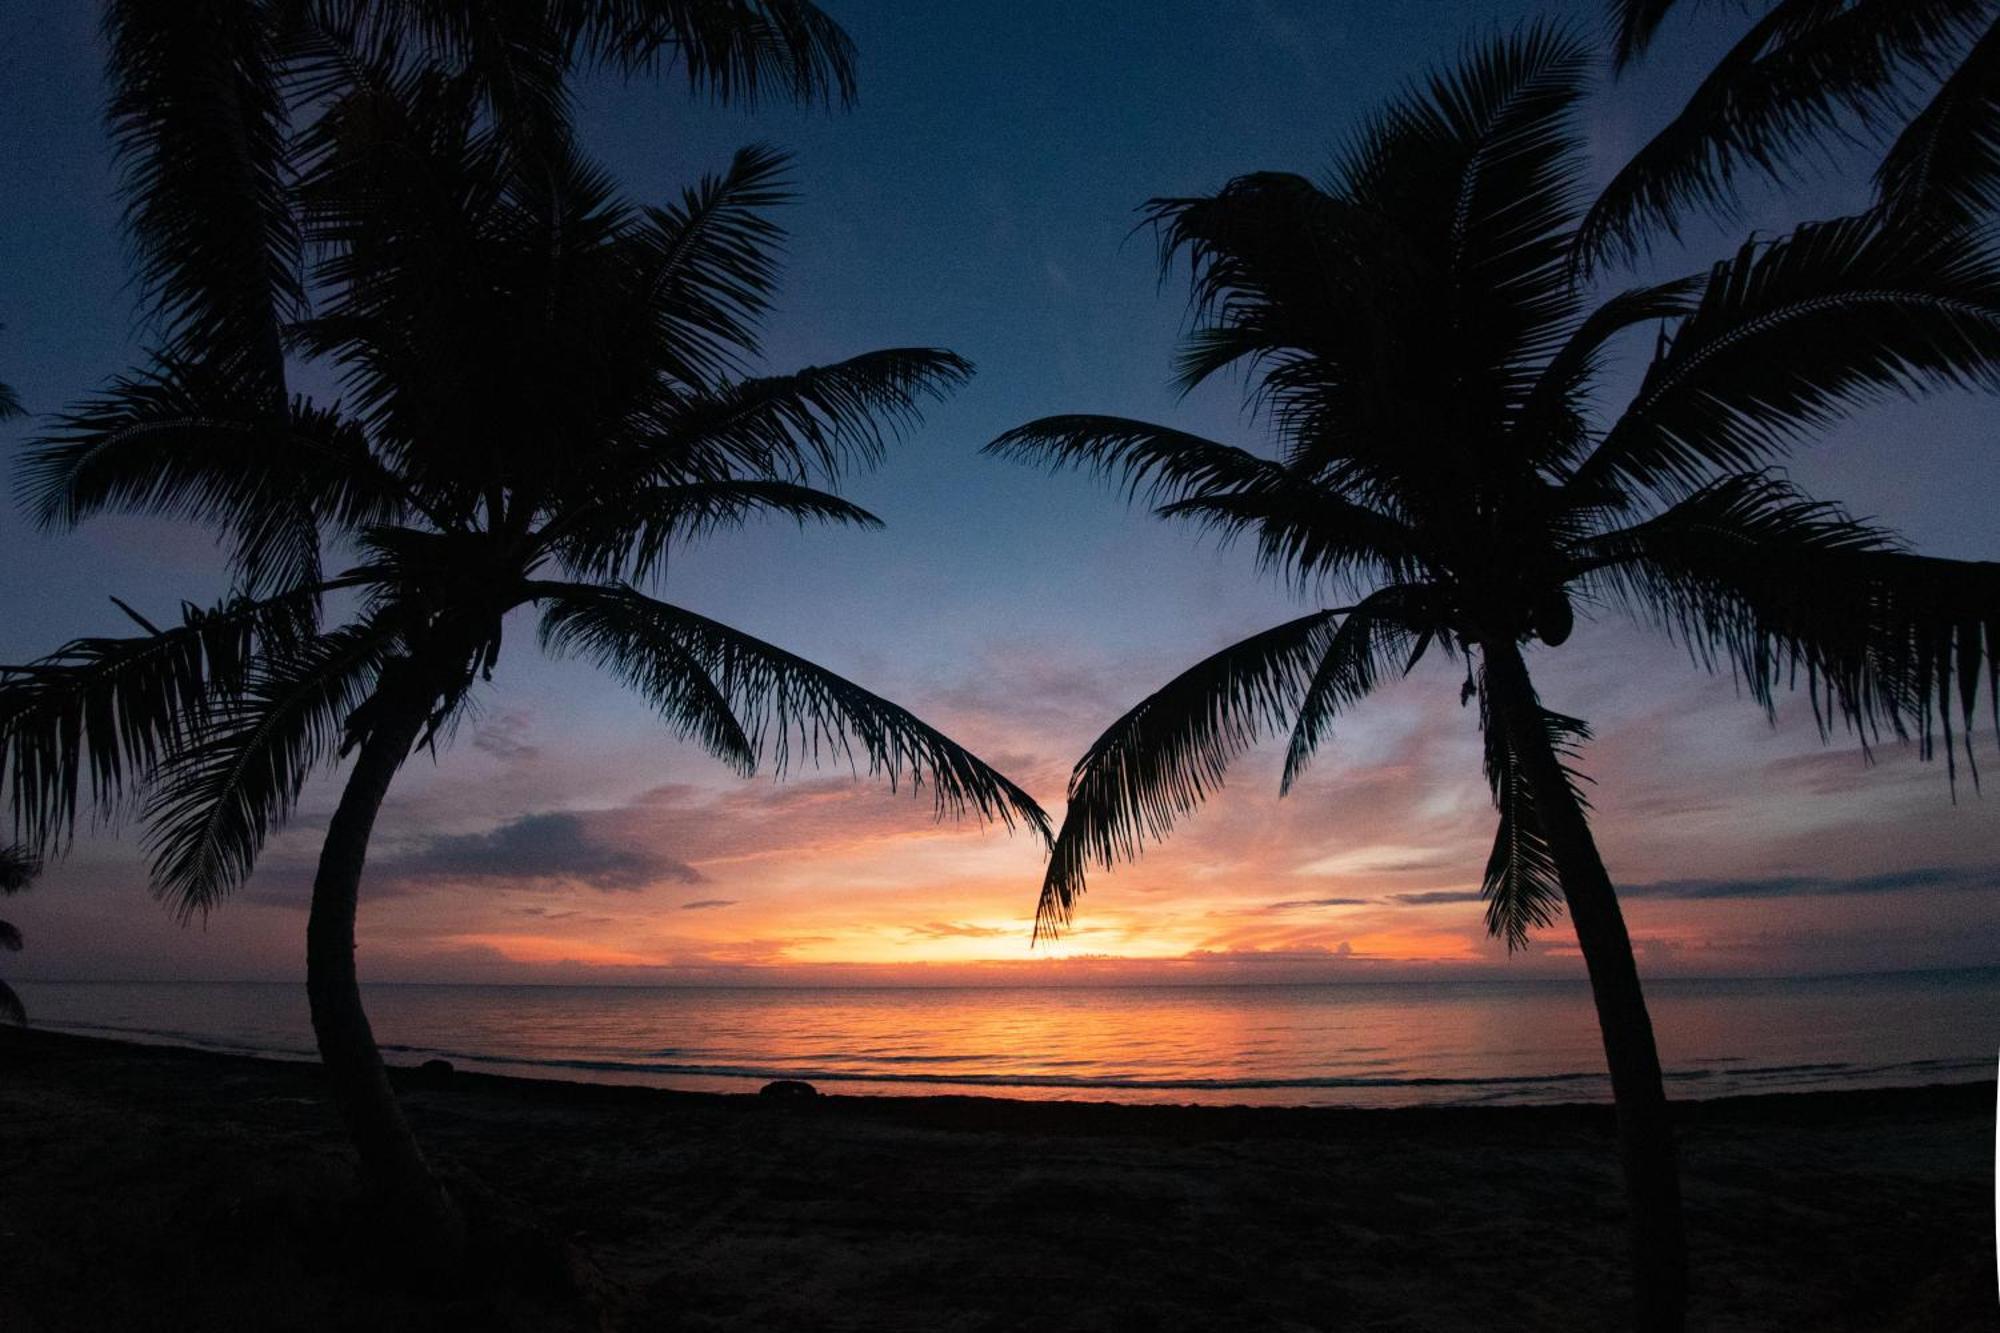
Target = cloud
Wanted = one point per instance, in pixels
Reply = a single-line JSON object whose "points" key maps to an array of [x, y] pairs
{"points": [[1261, 957], [1819, 886], [551, 846], [1437, 897], [1293, 904], [702, 904], [504, 735], [960, 930]]}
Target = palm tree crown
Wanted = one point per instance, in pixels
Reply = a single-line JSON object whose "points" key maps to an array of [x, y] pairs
{"points": [[1426, 361], [546, 393]]}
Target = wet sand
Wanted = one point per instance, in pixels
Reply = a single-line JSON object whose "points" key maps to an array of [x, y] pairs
{"points": [[153, 1188]]}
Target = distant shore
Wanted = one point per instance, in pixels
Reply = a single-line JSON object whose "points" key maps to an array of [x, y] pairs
{"points": [[158, 1187]]}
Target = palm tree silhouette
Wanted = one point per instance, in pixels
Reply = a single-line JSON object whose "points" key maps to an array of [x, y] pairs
{"points": [[1426, 363], [218, 111], [18, 868], [547, 394], [1919, 77]]}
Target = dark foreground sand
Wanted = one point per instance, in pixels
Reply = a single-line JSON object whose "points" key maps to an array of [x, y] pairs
{"points": [[145, 1188]]}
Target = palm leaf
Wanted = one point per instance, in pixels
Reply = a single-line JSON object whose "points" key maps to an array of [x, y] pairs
{"points": [[113, 709], [188, 441], [1789, 337], [743, 697], [1633, 24], [1550, 425], [1522, 888], [819, 422], [1806, 72], [11, 1009], [1162, 759], [237, 774], [1386, 632], [628, 537], [708, 266], [1750, 572], [1436, 250], [740, 51], [1160, 464], [1946, 163], [625, 640], [1307, 534], [200, 125], [18, 868]]}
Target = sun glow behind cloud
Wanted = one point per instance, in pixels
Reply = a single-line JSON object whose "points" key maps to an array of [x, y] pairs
{"points": [[539, 850]]}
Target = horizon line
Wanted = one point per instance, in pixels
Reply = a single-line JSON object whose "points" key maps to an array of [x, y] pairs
{"points": [[1038, 984]]}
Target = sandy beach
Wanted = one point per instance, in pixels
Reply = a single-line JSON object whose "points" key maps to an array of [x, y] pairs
{"points": [[160, 1188]]}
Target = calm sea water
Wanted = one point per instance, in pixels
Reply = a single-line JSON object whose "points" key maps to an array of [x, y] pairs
{"points": [[1387, 1044]]}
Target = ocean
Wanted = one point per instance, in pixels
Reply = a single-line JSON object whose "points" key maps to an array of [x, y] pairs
{"points": [[1388, 1044]]}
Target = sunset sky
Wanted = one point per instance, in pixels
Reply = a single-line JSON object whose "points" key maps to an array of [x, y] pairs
{"points": [[981, 198]]}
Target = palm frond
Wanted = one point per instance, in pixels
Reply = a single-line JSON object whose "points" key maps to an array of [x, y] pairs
{"points": [[236, 774], [1435, 250], [1751, 572], [11, 1008], [1161, 760], [186, 441], [200, 124], [741, 51], [1633, 23], [10, 937], [512, 54], [625, 641], [1159, 464], [1945, 165], [757, 699], [628, 537], [1807, 72], [1551, 422], [1521, 885], [1790, 336], [112, 709], [1385, 633], [1308, 535], [709, 264], [816, 423], [1509, 107], [18, 867]]}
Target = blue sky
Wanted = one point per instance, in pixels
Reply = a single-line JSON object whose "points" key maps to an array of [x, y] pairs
{"points": [[982, 197]]}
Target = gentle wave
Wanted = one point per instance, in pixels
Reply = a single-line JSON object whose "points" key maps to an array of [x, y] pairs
{"points": [[1114, 1083], [1818, 1071], [1532, 1043]]}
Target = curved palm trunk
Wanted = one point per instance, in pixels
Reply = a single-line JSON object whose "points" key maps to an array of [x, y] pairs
{"points": [[390, 1159], [1645, 1132]]}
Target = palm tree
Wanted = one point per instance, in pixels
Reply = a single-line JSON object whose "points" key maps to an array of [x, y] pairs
{"points": [[216, 108], [1921, 78], [1427, 367], [18, 868], [547, 393]]}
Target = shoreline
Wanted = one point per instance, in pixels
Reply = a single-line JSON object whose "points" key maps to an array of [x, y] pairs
{"points": [[1955, 1094], [143, 1178], [1339, 1093]]}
